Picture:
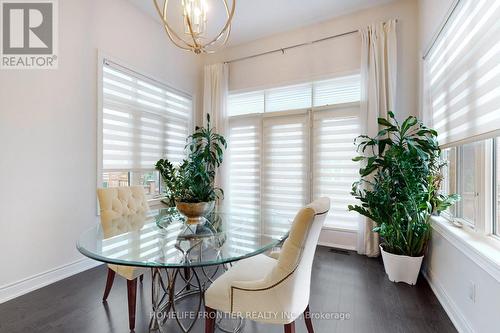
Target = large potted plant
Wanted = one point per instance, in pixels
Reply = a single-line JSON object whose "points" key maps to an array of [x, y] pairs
{"points": [[399, 190], [190, 185]]}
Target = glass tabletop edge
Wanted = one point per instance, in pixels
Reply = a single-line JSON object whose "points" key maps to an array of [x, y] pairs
{"points": [[106, 260]]}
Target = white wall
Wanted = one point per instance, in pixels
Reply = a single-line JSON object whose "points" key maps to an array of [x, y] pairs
{"points": [[458, 275], [48, 132], [450, 269], [431, 16], [331, 57]]}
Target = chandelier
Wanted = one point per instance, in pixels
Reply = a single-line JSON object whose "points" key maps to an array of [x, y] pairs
{"points": [[194, 14]]}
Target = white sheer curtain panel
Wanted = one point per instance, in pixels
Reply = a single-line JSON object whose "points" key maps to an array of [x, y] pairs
{"points": [[378, 92], [215, 92]]}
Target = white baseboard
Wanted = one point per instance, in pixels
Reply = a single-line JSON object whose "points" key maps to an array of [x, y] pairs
{"points": [[451, 309], [338, 246], [24, 286], [338, 238]]}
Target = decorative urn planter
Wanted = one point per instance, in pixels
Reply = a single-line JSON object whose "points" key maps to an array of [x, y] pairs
{"points": [[195, 212], [401, 268]]}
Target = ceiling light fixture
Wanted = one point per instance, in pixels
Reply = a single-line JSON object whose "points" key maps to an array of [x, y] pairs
{"points": [[195, 26]]}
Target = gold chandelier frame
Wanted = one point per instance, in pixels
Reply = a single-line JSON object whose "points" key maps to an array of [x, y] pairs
{"points": [[196, 46]]}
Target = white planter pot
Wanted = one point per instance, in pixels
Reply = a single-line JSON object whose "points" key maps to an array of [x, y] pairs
{"points": [[401, 268]]}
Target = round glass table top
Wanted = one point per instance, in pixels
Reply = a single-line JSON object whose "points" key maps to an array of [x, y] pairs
{"points": [[162, 238]]}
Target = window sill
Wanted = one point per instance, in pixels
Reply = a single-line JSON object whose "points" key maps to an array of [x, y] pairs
{"points": [[482, 249], [156, 201]]}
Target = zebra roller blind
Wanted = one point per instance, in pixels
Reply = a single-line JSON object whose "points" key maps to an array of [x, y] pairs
{"points": [[462, 73], [142, 120], [290, 145]]}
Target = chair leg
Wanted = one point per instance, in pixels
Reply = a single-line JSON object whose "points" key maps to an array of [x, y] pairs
{"points": [[187, 276], [209, 320], [290, 328], [109, 284], [131, 294], [307, 318]]}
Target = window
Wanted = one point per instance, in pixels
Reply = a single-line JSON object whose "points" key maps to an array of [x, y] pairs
{"points": [[345, 89], [142, 121], [463, 176], [289, 145], [246, 103], [288, 98], [449, 182], [285, 168], [468, 180], [339, 90], [150, 180], [244, 160], [461, 80], [462, 75], [497, 187], [472, 172], [333, 169]]}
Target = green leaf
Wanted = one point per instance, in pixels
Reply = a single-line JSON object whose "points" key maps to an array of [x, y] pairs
{"points": [[407, 124], [384, 122]]}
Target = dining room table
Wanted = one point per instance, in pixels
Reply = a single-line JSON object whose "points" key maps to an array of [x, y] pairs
{"points": [[184, 259]]}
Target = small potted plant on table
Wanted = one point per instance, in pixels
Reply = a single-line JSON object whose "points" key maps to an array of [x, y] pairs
{"points": [[190, 185], [399, 191]]}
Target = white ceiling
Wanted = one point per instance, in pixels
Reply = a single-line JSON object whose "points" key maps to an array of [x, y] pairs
{"points": [[255, 19]]}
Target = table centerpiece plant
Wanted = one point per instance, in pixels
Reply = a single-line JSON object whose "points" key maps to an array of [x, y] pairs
{"points": [[190, 185], [399, 191]]}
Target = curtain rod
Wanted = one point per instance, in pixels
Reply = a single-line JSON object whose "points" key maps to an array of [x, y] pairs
{"points": [[441, 28], [283, 49]]}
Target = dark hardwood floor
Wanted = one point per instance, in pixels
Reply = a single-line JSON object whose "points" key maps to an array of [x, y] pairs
{"points": [[341, 283]]}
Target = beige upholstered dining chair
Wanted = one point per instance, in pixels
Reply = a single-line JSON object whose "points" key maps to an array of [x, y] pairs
{"points": [[123, 209], [268, 290]]}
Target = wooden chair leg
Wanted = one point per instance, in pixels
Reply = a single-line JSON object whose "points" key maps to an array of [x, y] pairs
{"points": [[187, 276], [131, 294], [210, 320], [307, 318], [109, 284], [290, 328]]}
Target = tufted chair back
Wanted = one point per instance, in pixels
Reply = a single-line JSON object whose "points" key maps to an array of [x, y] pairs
{"points": [[269, 290], [284, 291], [123, 209], [297, 255]]}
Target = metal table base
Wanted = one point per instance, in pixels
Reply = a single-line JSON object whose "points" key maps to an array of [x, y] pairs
{"points": [[165, 297]]}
